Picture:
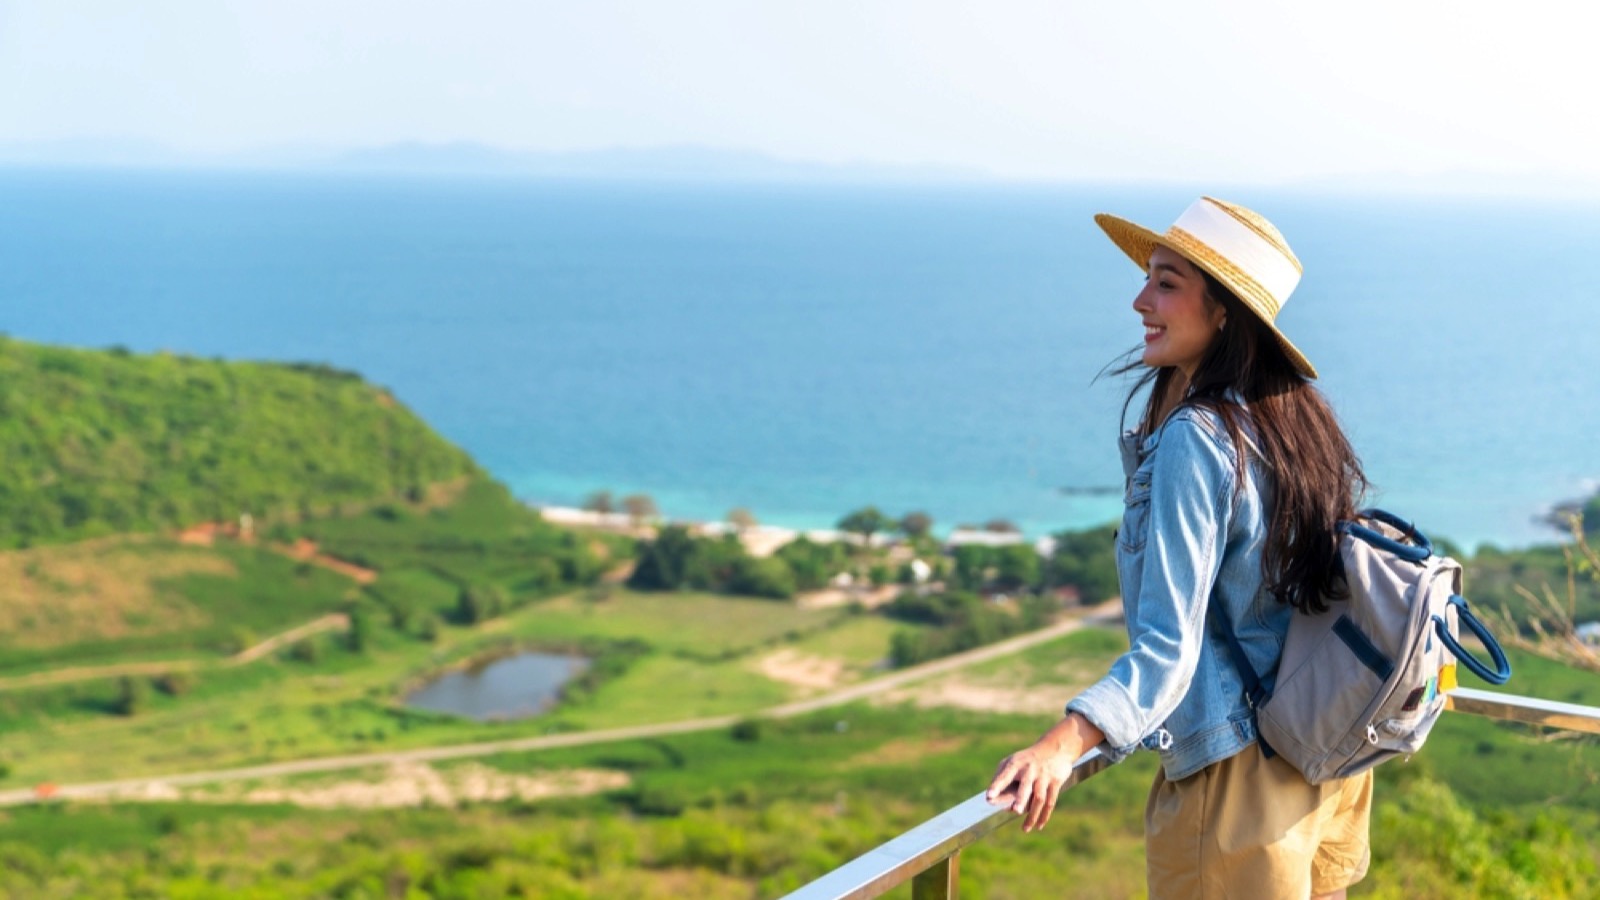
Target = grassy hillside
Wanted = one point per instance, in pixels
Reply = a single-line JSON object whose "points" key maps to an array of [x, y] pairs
{"points": [[119, 600], [105, 455], [102, 442]]}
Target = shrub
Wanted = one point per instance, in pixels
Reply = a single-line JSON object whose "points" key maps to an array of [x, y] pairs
{"points": [[306, 650], [133, 695], [664, 562], [359, 637], [239, 640], [1086, 560], [430, 628], [762, 577], [479, 603], [812, 563], [961, 621], [174, 684], [676, 560]]}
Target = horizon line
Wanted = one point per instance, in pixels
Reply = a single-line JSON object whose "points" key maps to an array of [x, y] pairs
{"points": [[690, 163]]}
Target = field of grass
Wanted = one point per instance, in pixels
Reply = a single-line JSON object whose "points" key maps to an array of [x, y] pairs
{"points": [[666, 688], [1535, 676], [1487, 809], [696, 662], [121, 600], [1078, 658], [1506, 765], [700, 662], [707, 627], [860, 643], [276, 708], [727, 814]]}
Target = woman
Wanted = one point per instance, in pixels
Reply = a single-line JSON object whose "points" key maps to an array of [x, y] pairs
{"points": [[1237, 474]]}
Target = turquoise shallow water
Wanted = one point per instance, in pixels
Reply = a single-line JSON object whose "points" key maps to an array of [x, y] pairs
{"points": [[802, 351]]}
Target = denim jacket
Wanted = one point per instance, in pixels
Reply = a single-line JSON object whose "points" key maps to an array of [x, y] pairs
{"points": [[1191, 539]]}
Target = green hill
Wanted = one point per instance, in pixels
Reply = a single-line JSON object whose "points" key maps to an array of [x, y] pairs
{"points": [[99, 442]]}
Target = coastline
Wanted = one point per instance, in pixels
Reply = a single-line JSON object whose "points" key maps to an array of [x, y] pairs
{"points": [[764, 540], [758, 540]]}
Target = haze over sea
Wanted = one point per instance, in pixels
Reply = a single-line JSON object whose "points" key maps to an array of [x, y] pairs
{"points": [[803, 350]]}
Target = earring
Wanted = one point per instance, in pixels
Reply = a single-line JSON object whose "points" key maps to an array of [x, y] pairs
{"points": [[1222, 324]]}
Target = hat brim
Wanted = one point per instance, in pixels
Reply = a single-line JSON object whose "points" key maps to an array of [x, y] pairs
{"points": [[1138, 242]]}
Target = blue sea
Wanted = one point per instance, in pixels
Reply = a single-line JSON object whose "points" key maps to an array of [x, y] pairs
{"points": [[804, 350]]}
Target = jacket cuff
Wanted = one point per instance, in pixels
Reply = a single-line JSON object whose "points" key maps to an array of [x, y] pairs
{"points": [[1106, 704]]}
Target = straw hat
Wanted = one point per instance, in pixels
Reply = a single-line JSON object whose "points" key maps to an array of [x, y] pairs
{"points": [[1236, 246]]}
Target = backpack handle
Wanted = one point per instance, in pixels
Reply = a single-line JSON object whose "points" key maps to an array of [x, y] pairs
{"points": [[1418, 550], [1502, 672]]}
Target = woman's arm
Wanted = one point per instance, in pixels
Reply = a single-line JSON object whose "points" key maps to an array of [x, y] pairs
{"points": [[1191, 495], [1191, 499], [1031, 779]]}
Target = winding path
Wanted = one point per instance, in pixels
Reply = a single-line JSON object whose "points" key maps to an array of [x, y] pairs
{"points": [[329, 622], [132, 787]]}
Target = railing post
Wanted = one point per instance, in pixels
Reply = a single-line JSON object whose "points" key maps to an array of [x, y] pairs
{"points": [[941, 881]]}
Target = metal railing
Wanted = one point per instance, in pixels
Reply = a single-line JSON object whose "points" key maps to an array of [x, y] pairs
{"points": [[929, 855]]}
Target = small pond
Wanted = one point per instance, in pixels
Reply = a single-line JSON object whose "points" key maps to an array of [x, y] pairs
{"points": [[510, 687]]}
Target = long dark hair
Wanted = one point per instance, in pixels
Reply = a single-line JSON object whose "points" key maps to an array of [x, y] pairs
{"points": [[1317, 479]]}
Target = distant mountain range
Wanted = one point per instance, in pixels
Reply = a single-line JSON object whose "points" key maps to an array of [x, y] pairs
{"points": [[685, 162], [692, 162]]}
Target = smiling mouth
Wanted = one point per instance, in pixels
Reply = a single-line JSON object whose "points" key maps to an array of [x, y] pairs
{"points": [[1151, 332]]}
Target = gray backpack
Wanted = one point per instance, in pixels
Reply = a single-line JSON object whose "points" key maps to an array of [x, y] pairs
{"points": [[1365, 680]]}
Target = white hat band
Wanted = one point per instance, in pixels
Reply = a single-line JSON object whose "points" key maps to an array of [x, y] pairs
{"points": [[1240, 244]]}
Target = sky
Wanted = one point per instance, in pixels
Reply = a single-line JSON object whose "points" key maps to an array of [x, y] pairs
{"points": [[1187, 91]]}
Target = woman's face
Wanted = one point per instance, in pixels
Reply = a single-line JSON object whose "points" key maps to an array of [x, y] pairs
{"points": [[1180, 321]]}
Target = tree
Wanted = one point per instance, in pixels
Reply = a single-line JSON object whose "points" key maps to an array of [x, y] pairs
{"points": [[430, 628], [663, 563], [479, 603], [1086, 560], [240, 639], [640, 507], [359, 637], [767, 576], [1001, 526], [741, 519], [812, 563], [174, 684], [600, 502], [306, 650], [714, 562], [973, 562], [916, 524], [133, 694], [866, 522], [1016, 566]]}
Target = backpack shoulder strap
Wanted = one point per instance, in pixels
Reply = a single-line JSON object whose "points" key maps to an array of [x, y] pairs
{"points": [[1255, 693]]}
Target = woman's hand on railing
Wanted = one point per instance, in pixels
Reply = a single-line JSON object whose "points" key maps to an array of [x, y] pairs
{"points": [[1030, 780]]}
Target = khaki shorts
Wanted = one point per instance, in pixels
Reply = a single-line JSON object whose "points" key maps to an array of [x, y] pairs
{"points": [[1251, 827]]}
